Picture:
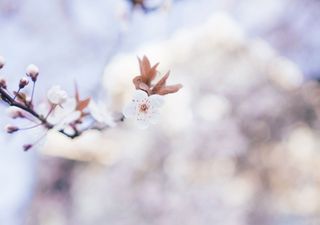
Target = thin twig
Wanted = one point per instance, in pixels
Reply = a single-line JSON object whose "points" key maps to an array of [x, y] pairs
{"points": [[31, 127], [12, 102], [43, 120], [15, 96], [32, 93]]}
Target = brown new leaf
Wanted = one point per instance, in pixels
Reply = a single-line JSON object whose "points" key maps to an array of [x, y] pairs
{"points": [[137, 81], [148, 74], [169, 89], [161, 83], [81, 104]]}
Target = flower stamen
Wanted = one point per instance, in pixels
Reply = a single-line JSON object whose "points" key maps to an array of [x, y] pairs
{"points": [[143, 108]]}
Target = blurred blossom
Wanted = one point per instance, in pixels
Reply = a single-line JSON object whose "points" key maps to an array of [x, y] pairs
{"points": [[56, 95], [100, 113], [219, 107], [237, 145]]}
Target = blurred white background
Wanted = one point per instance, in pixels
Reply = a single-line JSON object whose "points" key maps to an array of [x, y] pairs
{"points": [[238, 145]]}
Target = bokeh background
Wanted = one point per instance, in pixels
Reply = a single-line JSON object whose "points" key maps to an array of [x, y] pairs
{"points": [[238, 145]]}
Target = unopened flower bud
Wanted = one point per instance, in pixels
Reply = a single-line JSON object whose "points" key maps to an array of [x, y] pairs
{"points": [[2, 61], [23, 82], [32, 72], [11, 129], [14, 112], [56, 95], [3, 83], [26, 147]]}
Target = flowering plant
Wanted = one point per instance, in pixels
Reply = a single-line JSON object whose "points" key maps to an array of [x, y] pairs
{"points": [[71, 115]]}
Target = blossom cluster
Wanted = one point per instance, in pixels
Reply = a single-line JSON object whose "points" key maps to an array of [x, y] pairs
{"points": [[71, 115]]}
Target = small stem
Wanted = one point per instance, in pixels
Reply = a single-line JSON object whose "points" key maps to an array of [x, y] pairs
{"points": [[50, 111], [32, 93], [31, 127], [15, 96], [10, 101], [31, 119], [40, 138]]}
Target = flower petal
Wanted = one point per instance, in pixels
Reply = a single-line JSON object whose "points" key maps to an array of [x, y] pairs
{"points": [[56, 95], [69, 105], [61, 122], [139, 95], [72, 117], [143, 124], [130, 110], [156, 100], [69, 130], [154, 117], [95, 111]]}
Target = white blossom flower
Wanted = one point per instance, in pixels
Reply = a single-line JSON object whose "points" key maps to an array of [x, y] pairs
{"points": [[32, 71], [65, 122], [65, 114], [56, 95], [144, 108], [23, 82], [61, 116], [100, 113]]}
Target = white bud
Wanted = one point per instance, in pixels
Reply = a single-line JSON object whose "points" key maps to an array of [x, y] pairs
{"points": [[2, 61], [57, 96], [23, 82], [10, 129], [33, 72]]}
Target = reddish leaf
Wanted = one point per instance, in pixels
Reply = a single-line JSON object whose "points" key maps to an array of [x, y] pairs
{"points": [[77, 96], [137, 81], [152, 73], [169, 89], [148, 74], [161, 83], [82, 104], [144, 67]]}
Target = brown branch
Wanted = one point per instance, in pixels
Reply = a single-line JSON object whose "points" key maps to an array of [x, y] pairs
{"points": [[12, 102]]}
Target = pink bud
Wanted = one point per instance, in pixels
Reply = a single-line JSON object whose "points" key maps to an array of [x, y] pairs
{"points": [[26, 147], [11, 129], [3, 83], [33, 72], [14, 112], [23, 82], [2, 62]]}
